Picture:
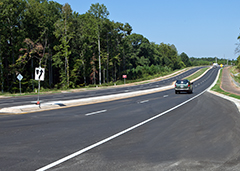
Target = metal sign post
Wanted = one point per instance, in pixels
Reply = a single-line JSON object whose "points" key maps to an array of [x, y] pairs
{"points": [[124, 77], [20, 77], [38, 89]]}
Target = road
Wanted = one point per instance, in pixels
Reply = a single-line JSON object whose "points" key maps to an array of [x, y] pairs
{"points": [[202, 134], [26, 100]]}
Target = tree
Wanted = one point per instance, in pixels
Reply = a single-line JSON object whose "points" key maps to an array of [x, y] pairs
{"points": [[185, 59], [64, 32], [11, 13], [100, 12]]}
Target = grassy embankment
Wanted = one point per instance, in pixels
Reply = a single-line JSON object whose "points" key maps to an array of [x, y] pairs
{"points": [[218, 89]]}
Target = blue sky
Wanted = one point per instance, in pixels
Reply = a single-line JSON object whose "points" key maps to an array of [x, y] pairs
{"points": [[200, 28]]}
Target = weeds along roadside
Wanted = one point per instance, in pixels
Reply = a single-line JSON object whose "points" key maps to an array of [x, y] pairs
{"points": [[218, 89]]}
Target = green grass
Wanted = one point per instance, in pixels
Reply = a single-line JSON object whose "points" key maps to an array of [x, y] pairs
{"points": [[139, 81], [218, 89], [197, 74]]}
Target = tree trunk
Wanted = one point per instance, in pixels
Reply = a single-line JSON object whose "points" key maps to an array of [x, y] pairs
{"points": [[104, 75], [99, 57], [115, 70], [107, 58]]}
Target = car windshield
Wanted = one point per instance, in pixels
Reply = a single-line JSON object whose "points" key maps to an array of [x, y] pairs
{"points": [[182, 81]]}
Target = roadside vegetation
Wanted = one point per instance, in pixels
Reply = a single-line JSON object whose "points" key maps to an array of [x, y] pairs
{"points": [[218, 89], [197, 74], [77, 50], [120, 82], [235, 70]]}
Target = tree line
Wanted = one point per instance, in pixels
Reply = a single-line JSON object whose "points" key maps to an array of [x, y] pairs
{"points": [[75, 49]]}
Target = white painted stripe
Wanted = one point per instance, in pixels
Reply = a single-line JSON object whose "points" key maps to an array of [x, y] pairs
{"points": [[121, 133], [94, 113], [114, 136], [145, 101], [165, 96]]}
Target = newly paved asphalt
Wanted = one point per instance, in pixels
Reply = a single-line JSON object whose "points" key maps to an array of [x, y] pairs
{"points": [[202, 134]]}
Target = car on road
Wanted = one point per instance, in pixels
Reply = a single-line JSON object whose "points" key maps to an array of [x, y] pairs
{"points": [[183, 86]]}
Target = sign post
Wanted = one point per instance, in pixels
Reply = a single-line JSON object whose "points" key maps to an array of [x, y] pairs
{"points": [[39, 76], [20, 77], [124, 77]]}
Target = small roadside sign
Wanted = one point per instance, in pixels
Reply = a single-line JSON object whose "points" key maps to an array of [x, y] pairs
{"points": [[221, 65], [19, 77], [39, 74], [124, 76]]}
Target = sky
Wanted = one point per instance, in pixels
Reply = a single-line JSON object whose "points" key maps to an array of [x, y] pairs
{"points": [[199, 28]]}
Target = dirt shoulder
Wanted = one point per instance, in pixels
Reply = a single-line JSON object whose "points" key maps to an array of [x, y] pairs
{"points": [[227, 82]]}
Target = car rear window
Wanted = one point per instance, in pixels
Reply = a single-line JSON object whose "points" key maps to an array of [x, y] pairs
{"points": [[182, 81]]}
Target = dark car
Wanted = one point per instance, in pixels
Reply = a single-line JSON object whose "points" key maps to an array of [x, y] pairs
{"points": [[183, 86]]}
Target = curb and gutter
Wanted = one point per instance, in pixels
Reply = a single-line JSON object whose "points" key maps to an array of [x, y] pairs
{"points": [[85, 101]]}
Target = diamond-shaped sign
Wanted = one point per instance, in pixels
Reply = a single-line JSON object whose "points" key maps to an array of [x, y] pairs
{"points": [[19, 77]]}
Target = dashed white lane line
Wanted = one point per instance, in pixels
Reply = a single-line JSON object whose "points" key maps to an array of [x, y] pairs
{"points": [[145, 101], [165, 96], [113, 136], [97, 112]]}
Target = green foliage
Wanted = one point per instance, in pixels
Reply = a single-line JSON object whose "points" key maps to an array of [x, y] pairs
{"points": [[77, 50], [185, 59], [238, 62], [145, 71]]}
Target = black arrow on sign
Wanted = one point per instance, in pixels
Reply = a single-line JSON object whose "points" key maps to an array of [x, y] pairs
{"points": [[41, 71]]}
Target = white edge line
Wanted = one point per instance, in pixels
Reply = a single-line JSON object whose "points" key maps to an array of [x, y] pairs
{"points": [[120, 133], [94, 113], [145, 101], [113, 136]]}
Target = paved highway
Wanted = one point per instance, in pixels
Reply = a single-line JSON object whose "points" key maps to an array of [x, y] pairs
{"points": [[25, 100], [141, 133]]}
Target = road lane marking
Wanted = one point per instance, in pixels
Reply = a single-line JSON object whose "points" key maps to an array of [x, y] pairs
{"points": [[165, 96], [145, 101], [122, 132], [97, 112], [115, 135]]}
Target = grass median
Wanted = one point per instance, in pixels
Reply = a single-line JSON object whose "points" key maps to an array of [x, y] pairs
{"points": [[197, 74]]}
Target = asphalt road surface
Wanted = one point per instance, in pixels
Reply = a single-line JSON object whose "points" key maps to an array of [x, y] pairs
{"points": [[26, 100], [202, 134]]}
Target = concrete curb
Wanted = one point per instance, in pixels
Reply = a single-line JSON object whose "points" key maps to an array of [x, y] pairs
{"points": [[79, 102], [85, 101], [234, 100]]}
